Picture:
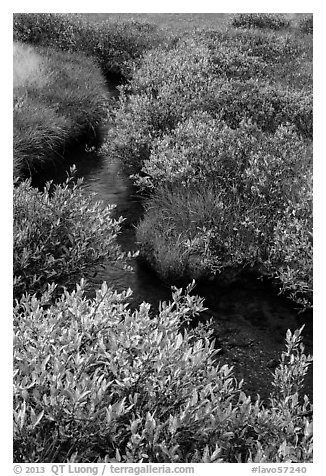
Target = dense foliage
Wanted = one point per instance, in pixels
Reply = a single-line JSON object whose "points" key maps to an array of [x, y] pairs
{"points": [[253, 212], [113, 44], [306, 24], [191, 119], [60, 101], [170, 85], [59, 236], [274, 21], [216, 128], [95, 382]]}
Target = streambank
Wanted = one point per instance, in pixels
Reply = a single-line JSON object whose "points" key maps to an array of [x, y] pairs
{"points": [[60, 105], [248, 318]]}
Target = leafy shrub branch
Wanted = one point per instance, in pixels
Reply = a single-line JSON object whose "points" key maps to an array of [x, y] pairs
{"points": [[113, 44], [60, 235], [95, 382]]}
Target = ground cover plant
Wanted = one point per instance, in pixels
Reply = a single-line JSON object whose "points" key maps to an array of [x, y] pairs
{"points": [[175, 23], [169, 85], [306, 24], [59, 102], [59, 236], [235, 220], [113, 44], [221, 147], [95, 382], [283, 59], [209, 113], [272, 21]]}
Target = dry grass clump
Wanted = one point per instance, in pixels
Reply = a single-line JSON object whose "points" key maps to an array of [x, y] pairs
{"points": [[28, 67]]}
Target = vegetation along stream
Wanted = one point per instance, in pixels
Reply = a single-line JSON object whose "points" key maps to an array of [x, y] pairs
{"points": [[196, 174], [249, 318]]}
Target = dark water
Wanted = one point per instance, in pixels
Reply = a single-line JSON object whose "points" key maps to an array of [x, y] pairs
{"points": [[249, 319]]}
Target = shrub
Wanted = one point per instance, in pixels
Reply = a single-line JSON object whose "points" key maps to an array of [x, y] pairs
{"points": [[59, 236], [111, 43], [120, 43], [59, 101], [267, 106], [273, 21], [306, 24], [95, 382], [281, 58], [46, 29], [182, 121], [267, 46], [290, 256], [199, 149], [229, 194], [204, 148], [230, 63], [285, 58], [171, 85], [166, 88]]}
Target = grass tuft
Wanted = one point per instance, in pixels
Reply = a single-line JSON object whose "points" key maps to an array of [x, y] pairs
{"points": [[59, 102]]}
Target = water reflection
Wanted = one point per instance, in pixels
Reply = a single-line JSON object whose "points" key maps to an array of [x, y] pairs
{"points": [[249, 319]]}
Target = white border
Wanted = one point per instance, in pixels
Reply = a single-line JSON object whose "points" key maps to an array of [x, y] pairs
{"points": [[319, 186]]}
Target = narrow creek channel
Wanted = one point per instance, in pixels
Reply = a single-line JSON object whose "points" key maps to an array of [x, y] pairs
{"points": [[249, 319]]}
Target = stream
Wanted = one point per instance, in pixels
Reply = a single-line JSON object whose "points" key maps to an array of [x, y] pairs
{"points": [[249, 319]]}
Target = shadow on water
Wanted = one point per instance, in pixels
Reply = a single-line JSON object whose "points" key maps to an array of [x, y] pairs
{"points": [[249, 319], [105, 178]]}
